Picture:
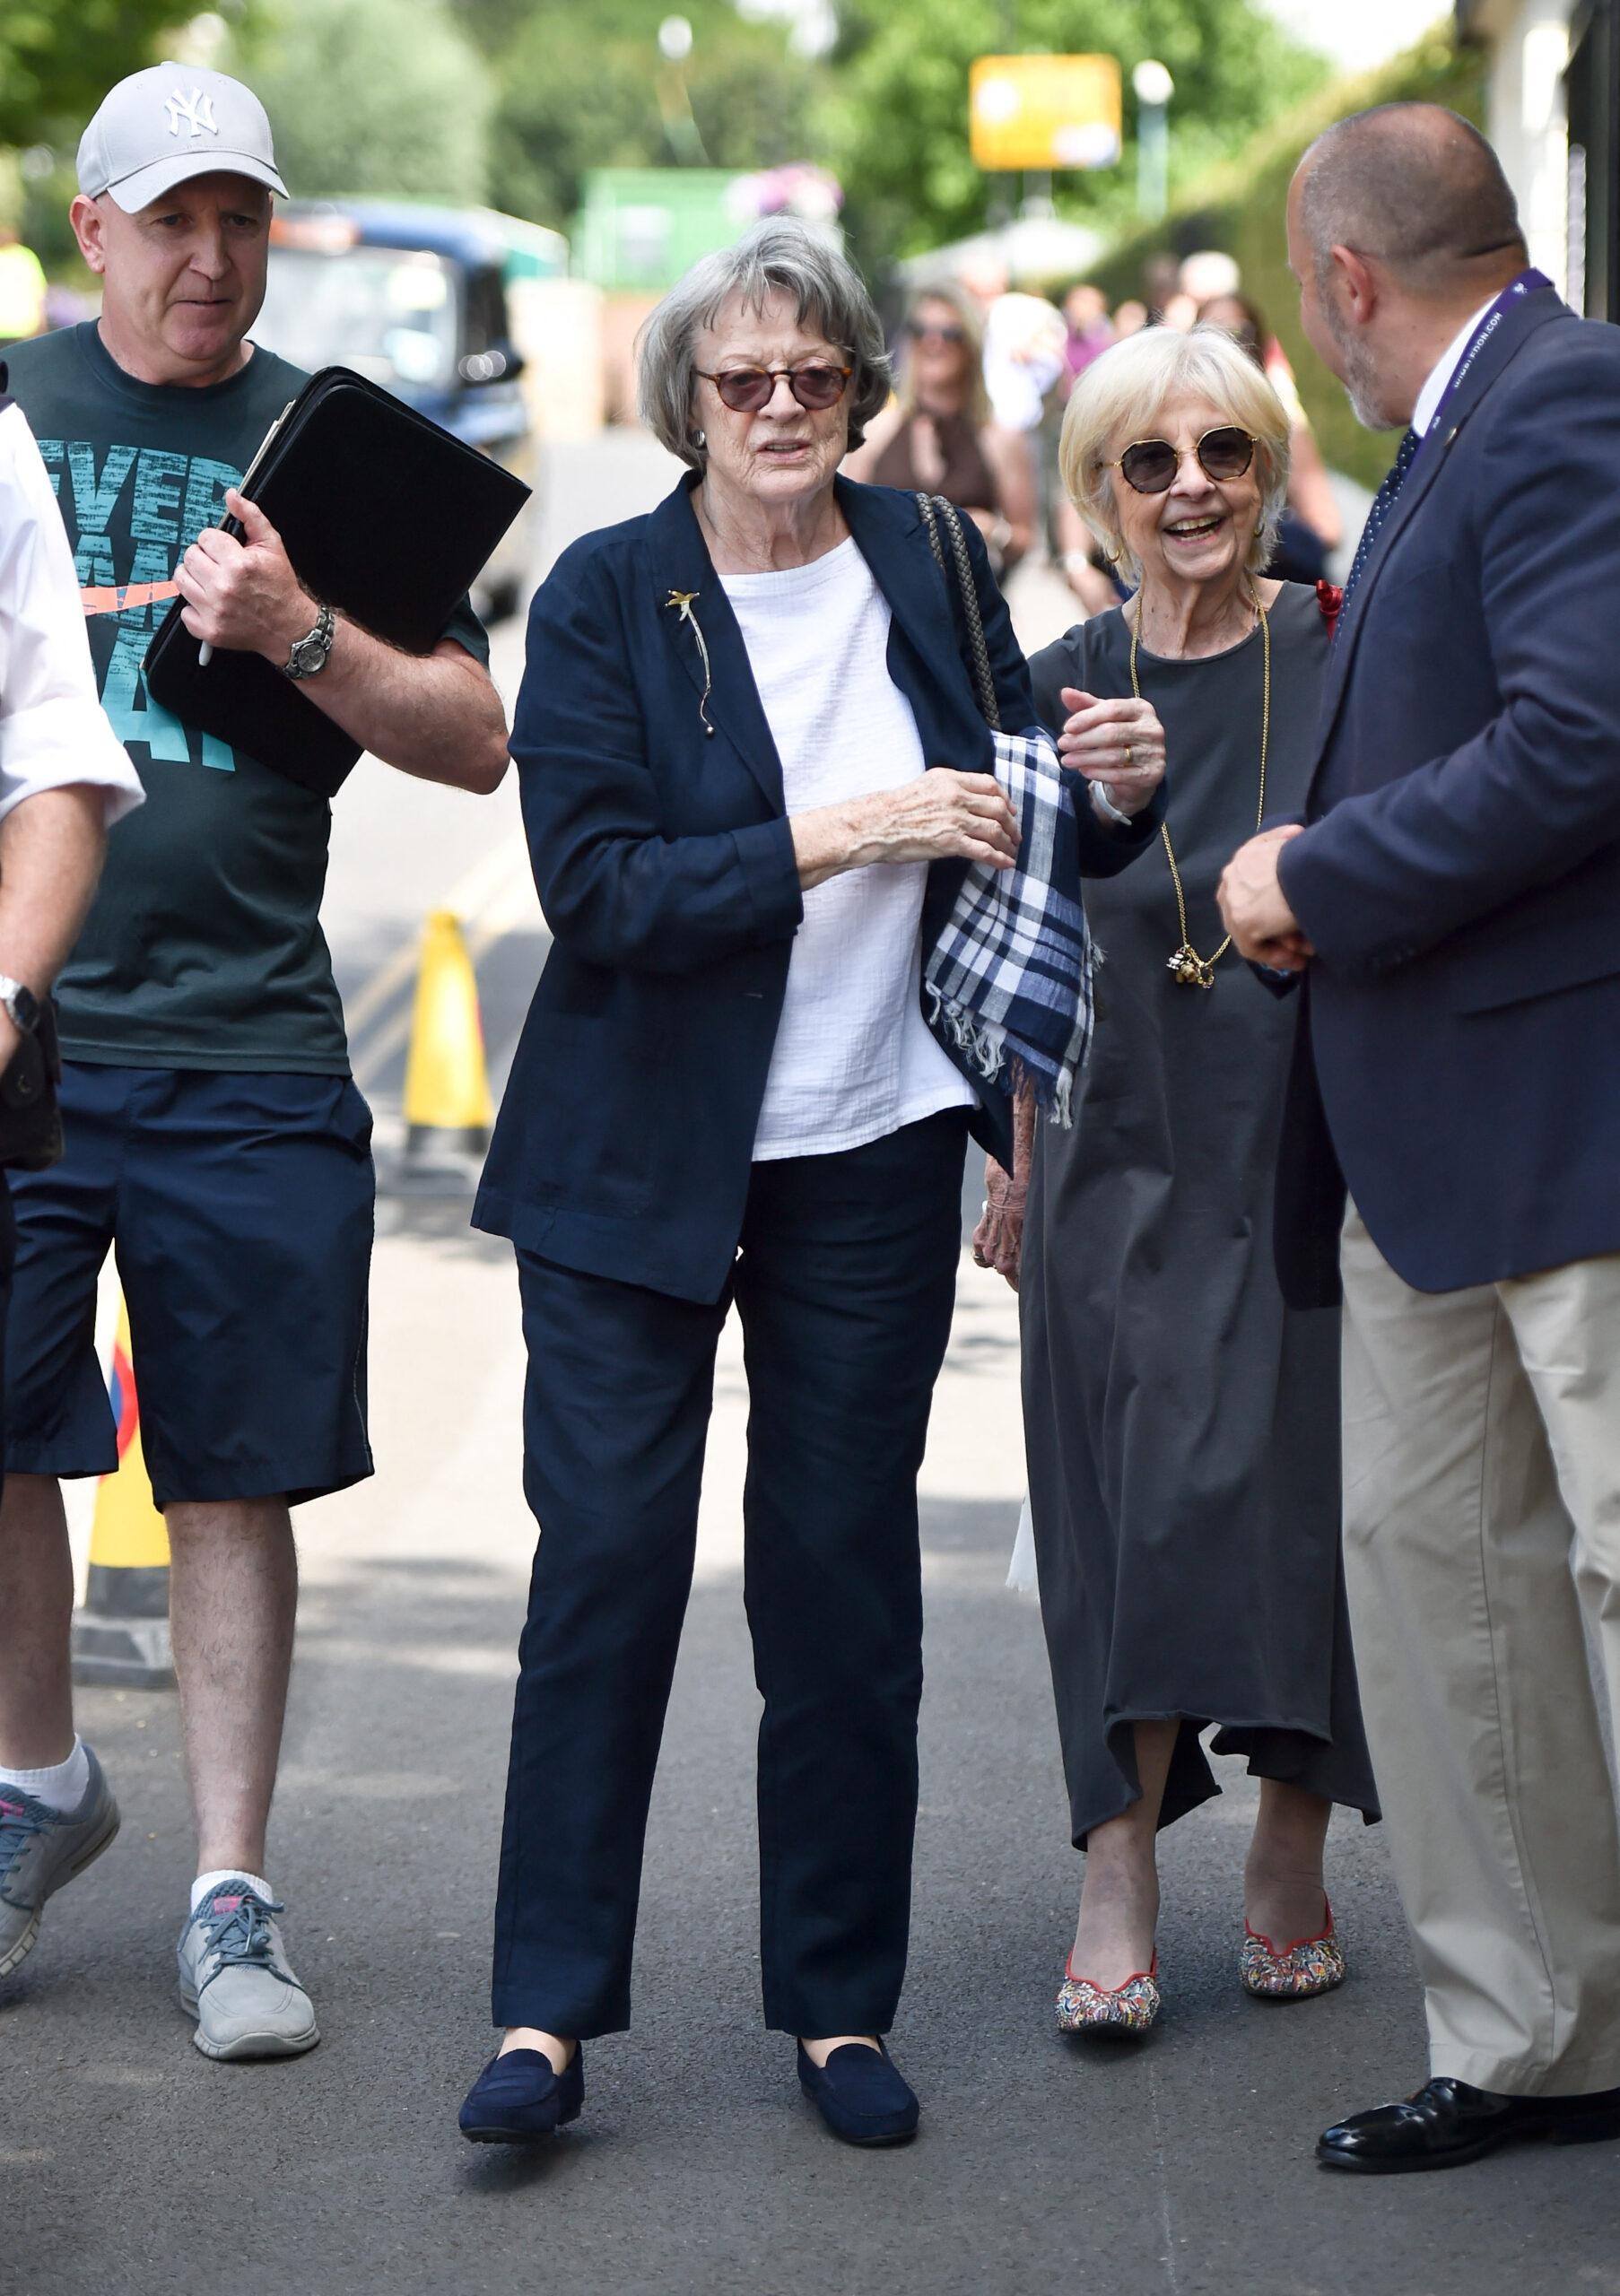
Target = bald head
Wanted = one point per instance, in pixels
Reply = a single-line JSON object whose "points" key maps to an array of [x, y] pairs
{"points": [[1418, 190]]}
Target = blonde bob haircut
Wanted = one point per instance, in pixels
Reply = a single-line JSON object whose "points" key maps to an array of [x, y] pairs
{"points": [[1120, 397]]}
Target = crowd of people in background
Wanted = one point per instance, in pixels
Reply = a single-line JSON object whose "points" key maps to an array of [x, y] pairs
{"points": [[985, 373]]}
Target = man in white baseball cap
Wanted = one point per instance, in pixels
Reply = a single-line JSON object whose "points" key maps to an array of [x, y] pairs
{"points": [[159, 127], [176, 175], [215, 1133]]}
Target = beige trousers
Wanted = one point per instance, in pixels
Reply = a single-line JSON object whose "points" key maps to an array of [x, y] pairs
{"points": [[1482, 1520]]}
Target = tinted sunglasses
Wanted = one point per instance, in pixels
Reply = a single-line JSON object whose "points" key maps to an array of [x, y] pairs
{"points": [[746, 389], [1151, 464], [921, 331]]}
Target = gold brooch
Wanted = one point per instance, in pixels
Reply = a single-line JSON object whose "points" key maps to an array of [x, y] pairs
{"points": [[684, 602]]}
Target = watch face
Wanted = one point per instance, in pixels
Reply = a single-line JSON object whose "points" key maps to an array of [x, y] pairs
{"points": [[24, 1007], [309, 654]]}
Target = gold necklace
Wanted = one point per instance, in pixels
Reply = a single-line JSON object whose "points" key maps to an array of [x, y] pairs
{"points": [[1186, 966]]}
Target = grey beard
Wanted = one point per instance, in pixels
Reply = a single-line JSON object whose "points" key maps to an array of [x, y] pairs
{"points": [[1361, 383]]}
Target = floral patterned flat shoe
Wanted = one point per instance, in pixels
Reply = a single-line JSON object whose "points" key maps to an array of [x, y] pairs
{"points": [[1086, 2007], [1309, 1966]]}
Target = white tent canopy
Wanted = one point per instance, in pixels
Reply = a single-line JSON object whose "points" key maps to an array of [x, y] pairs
{"points": [[1035, 250]]}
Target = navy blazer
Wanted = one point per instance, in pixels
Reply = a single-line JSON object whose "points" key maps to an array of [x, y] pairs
{"points": [[1460, 879], [665, 865]]}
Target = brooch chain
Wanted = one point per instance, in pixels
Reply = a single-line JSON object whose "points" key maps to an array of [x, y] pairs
{"points": [[684, 602]]}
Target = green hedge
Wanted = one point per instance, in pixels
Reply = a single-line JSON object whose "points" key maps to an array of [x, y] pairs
{"points": [[1241, 208]]}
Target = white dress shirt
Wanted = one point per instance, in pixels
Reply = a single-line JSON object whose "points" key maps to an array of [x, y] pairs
{"points": [[1440, 374], [52, 733], [854, 1059]]}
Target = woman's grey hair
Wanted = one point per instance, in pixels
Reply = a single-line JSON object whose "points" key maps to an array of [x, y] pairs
{"points": [[780, 256], [1133, 386]]}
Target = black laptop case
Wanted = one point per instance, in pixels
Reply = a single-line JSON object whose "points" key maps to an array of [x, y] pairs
{"points": [[386, 517]]}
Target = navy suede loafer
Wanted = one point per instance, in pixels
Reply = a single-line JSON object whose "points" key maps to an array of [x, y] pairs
{"points": [[859, 2095], [518, 2099]]}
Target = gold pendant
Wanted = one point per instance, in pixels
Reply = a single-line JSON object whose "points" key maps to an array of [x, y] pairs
{"points": [[1191, 970]]}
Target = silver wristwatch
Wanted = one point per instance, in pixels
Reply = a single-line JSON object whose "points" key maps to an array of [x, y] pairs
{"points": [[310, 656], [21, 1004]]}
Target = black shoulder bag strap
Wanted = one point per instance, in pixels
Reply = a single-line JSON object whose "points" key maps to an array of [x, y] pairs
{"points": [[937, 512]]}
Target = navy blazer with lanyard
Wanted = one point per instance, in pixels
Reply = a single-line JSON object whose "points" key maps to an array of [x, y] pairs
{"points": [[665, 864], [1460, 879]]}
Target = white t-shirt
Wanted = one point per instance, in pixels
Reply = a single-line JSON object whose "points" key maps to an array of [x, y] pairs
{"points": [[52, 731], [854, 1059]]}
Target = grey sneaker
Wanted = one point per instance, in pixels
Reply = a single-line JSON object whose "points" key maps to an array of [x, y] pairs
{"points": [[236, 1982], [40, 1850]]}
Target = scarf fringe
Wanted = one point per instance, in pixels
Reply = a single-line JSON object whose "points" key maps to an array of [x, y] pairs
{"points": [[984, 1044]]}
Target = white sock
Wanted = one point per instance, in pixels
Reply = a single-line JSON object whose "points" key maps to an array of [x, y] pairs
{"points": [[61, 1787], [206, 1884]]}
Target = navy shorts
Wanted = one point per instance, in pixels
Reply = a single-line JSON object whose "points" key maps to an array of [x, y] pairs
{"points": [[241, 1210]]}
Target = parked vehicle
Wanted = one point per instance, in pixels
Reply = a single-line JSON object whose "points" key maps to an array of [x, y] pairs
{"points": [[414, 299]]}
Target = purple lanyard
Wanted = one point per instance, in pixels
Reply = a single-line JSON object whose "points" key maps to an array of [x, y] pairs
{"points": [[1527, 284]]}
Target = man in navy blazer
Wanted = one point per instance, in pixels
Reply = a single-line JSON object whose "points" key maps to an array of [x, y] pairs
{"points": [[1451, 901]]}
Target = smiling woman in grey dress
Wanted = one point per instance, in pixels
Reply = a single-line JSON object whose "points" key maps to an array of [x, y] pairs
{"points": [[1182, 1422]]}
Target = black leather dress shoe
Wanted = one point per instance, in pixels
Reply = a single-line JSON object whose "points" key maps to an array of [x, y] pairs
{"points": [[1446, 2124], [859, 2095], [518, 2099]]}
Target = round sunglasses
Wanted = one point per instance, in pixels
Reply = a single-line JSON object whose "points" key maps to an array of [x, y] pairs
{"points": [[925, 331], [1151, 464], [746, 389]]}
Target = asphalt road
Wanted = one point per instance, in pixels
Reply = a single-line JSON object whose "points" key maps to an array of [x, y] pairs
{"points": [[129, 2163]]}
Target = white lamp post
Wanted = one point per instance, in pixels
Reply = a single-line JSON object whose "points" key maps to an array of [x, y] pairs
{"points": [[1155, 88]]}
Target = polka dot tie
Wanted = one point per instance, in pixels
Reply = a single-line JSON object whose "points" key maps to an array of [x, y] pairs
{"points": [[1395, 479]]}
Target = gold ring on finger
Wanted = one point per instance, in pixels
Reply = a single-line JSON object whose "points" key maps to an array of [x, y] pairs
{"points": [[1128, 767]]}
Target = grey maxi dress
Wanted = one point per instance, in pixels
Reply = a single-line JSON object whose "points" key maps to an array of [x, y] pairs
{"points": [[1181, 1423]]}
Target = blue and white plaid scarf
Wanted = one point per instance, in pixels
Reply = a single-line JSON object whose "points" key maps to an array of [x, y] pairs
{"points": [[1009, 979]]}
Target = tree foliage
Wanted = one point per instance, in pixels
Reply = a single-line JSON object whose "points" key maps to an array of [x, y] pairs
{"points": [[896, 125], [585, 89], [58, 58], [888, 112], [380, 96], [515, 99], [1241, 206]]}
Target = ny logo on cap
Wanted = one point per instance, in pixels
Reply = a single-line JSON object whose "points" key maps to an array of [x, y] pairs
{"points": [[197, 110]]}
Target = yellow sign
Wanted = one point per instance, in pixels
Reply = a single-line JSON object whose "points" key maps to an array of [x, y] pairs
{"points": [[1045, 111]]}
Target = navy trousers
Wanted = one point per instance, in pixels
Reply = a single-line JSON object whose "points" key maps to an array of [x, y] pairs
{"points": [[844, 1282]]}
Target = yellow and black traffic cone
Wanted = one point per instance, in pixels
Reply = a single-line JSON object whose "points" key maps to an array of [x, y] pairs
{"points": [[121, 1635], [447, 1088]]}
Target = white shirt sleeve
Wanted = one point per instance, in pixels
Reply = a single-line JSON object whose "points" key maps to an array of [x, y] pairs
{"points": [[53, 730]]}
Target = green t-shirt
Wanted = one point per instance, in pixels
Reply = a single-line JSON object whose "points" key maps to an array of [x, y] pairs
{"points": [[203, 947]]}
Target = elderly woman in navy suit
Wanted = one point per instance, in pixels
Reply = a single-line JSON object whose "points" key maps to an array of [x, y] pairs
{"points": [[752, 772]]}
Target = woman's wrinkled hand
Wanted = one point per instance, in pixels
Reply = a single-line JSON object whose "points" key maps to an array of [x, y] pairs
{"points": [[942, 815], [998, 1237], [1118, 745]]}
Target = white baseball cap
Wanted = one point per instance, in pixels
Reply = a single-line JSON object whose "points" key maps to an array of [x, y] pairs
{"points": [[160, 126]]}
